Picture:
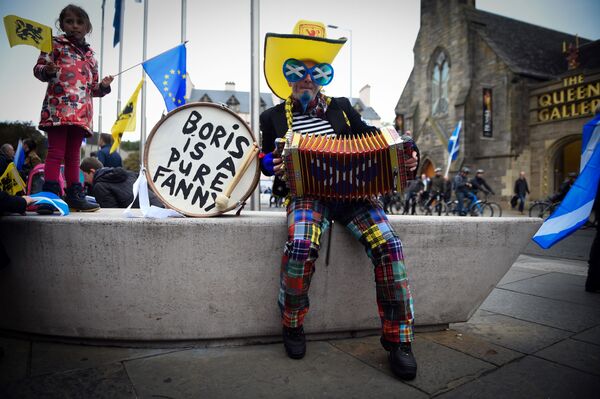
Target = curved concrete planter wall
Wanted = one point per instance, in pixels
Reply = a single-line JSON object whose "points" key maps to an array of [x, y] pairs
{"points": [[103, 276]]}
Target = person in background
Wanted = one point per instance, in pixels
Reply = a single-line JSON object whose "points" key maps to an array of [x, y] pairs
{"points": [[564, 188], [461, 189], [71, 72], [108, 160], [112, 187], [478, 183], [521, 190], [7, 155], [31, 157]]}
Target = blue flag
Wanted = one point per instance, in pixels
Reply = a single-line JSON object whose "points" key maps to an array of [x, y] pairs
{"points": [[117, 23], [167, 71], [575, 209], [46, 197], [453, 144], [19, 156]]}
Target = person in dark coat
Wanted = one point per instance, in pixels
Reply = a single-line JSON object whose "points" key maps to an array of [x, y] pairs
{"points": [[7, 155], [112, 187], [108, 160], [521, 190]]}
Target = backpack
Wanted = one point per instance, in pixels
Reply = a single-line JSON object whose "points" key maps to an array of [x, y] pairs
{"points": [[35, 181]]}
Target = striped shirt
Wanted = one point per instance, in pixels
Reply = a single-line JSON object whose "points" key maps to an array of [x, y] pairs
{"points": [[310, 125]]}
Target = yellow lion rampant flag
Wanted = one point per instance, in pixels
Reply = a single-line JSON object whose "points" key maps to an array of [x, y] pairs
{"points": [[24, 31], [126, 120], [11, 181]]}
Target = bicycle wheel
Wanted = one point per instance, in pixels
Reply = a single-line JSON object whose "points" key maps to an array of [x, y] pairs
{"points": [[537, 210], [441, 208], [496, 208], [486, 210], [452, 208]]}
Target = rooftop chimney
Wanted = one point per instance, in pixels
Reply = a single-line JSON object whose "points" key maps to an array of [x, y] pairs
{"points": [[229, 86]]}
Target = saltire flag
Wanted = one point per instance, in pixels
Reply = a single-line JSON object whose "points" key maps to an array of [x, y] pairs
{"points": [[168, 72], [126, 120], [453, 146], [46, 197], [24, 31], [11, 181], [19, 159], [575, 209], [117, 22]]}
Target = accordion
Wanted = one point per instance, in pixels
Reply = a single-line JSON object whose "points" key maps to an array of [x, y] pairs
{"points": [[347, 168]]}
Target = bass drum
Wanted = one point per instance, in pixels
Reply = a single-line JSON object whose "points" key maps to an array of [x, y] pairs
{"points": [[193, 154]]}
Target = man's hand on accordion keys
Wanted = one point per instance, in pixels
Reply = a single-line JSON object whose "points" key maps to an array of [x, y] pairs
{"points": [[278, 166]]}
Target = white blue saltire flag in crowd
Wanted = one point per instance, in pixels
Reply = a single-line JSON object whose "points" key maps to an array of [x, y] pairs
{"points": [[575, 209], [46, 197], [453, 144], [19, 156]]}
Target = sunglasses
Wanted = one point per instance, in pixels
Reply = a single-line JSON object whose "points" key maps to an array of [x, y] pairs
{"points": [[295, 70]]}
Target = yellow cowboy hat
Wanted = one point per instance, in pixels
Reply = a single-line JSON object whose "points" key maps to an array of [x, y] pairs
{"points": [[307, 42]]}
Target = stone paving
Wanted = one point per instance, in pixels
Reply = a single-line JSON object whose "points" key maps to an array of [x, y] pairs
{"points": [[536, 336]]}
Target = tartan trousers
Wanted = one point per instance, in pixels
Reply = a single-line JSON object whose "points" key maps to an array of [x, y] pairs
{"points": [[307, 219]]}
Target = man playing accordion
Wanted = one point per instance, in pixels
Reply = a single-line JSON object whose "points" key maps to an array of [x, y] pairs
{"points": [[296, 68]]}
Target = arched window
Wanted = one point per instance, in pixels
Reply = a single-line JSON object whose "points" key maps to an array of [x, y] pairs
{"points": [[439, 84]]}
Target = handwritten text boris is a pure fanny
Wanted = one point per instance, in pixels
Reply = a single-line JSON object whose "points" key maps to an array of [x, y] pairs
{"points": [[200, 161]]}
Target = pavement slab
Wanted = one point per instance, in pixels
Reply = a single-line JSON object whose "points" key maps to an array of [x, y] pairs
{"points": [[262, 371], [105, 382], [529, 378], [592, 335], [473, 346], [14, 363], [560, 286], [439, 368], [517, 274], [550, 312], [518, 335], [55, 357], [579, 355]]}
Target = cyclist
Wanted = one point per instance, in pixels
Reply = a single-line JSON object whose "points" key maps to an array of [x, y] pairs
{"points": [[437, 188], [564, 188], [461, 189], [479, 183]]}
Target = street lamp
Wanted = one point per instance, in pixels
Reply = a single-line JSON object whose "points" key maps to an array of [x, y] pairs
{"points": [[349, 31]]}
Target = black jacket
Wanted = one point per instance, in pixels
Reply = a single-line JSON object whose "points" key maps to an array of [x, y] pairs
{"points": [[113, 188], [521, 187], [479, 183], [109, 160]]}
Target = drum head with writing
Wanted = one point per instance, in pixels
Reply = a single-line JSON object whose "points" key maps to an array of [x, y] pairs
{"points": [[192, 155]]}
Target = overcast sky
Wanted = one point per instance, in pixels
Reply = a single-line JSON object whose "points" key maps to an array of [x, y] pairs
{"points": [[383, 35]]}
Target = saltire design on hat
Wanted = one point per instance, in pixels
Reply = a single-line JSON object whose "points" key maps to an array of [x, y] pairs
{"points": [[308, 41]]}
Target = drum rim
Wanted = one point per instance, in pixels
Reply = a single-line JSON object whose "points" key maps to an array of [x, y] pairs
{"points": [[216, 212]]}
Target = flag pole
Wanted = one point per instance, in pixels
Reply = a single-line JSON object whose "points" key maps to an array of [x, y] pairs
{"points": [[100, 71], [120, 56], [255, 88], [183, 19], [143, 113]]}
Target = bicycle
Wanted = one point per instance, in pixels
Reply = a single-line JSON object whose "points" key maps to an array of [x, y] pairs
{"points": [[475, 207], [436, 205], [496, 208], [542, 208]]}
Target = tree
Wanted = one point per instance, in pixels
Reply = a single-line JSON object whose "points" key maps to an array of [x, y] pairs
{"points": [[11, 132], [132, 162]]}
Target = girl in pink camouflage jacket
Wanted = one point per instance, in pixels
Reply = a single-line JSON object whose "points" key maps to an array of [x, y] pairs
{"points": [[72, 75]]}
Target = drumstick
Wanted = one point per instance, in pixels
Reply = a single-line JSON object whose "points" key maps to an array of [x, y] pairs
{"points": [[222, 200]]}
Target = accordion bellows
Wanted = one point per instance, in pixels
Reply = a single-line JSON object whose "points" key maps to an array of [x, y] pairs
{"points": [[347, 168]]}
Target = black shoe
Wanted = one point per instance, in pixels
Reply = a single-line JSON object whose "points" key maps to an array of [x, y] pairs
{"points": [[51, 187], [294, 342], [75, 198], [402, 360]]}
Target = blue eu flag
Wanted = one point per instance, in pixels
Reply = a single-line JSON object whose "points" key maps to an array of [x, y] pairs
{"points": [[167, 71]]}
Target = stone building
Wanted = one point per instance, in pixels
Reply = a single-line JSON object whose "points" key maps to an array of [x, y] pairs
{"points": [[523, 93]]}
